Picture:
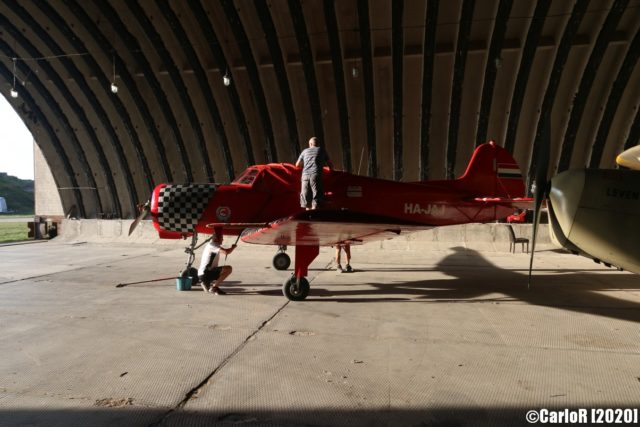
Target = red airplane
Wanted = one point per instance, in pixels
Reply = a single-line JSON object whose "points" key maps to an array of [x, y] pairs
{"points": [[262, 206]]}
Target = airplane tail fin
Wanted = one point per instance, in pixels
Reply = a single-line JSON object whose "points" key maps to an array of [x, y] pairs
{"points": [[493, 172]]}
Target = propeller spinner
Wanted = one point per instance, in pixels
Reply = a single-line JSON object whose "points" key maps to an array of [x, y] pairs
{"points": [[630, 158]]}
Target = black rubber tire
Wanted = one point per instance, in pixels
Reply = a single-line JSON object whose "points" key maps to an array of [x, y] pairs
{"points": [[295, 292], [281, 261]]}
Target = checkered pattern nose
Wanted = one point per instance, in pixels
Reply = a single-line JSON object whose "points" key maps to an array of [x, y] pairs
{"points": [[181, 206]]}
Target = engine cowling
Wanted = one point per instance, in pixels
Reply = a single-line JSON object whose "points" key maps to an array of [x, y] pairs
{"points": [[598, 211]]}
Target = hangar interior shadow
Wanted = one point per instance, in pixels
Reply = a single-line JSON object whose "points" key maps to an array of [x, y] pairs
{"points": [[474, 279], [138, 416]]}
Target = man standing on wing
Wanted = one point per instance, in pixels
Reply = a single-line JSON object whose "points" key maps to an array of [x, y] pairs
{"points": [[313, 158]]}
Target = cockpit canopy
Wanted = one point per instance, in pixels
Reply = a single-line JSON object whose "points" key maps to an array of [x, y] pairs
{"points": [[247, 177], [270, 176]]}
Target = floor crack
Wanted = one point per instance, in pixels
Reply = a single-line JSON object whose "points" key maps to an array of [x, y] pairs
{"points": [[204, 382]]}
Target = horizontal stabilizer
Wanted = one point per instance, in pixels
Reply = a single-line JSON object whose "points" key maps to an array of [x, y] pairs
{"points": [[517, 202]]}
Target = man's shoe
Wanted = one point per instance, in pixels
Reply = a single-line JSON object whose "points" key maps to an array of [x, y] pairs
{"points": [[216, 290], [349, 269], [205, 287], [339, 269]]}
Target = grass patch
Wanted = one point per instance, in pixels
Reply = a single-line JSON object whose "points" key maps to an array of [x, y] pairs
{"points": [[13, 231]]}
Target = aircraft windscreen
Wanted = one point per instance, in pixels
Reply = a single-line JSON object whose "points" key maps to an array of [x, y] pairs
{"points": [[247, 177]]}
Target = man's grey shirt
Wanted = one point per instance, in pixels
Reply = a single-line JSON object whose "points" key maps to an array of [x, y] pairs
{"points": [[313, 159]]}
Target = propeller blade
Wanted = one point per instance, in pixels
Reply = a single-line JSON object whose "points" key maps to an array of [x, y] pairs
{"points": [[541, 185], [144, 211]]}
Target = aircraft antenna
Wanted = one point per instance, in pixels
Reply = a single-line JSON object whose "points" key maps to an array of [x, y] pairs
{"points": [[361, 155]]}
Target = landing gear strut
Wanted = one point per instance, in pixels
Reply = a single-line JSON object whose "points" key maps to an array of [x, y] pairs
{"points": [[281, 260], [190, 271], [296, 288]]}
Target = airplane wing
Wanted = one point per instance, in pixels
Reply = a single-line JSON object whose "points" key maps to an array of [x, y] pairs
{"points": [[327, 228]]}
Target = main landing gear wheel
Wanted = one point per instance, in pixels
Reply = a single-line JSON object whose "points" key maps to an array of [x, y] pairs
{"points": [[281, 261], [294, 290]]}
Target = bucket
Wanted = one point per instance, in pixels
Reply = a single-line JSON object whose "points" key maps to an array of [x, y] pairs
{"points": [[183, 283]]}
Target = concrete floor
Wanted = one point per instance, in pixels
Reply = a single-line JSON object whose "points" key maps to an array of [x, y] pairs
{"points": [[447, 337]]}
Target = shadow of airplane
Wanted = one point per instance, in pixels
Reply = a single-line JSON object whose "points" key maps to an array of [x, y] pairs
{"points": [[475, 280]]}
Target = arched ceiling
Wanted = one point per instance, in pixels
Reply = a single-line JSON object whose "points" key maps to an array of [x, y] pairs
{"points": [[401, 89]]}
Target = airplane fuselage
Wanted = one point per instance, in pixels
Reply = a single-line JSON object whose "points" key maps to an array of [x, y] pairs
{"points": [[275, 193]]}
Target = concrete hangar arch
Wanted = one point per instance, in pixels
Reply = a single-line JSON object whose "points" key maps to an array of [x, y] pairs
{"points": [[397, 89]]}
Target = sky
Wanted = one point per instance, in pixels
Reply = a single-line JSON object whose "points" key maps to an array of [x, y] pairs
{"points": [[16, 143]]}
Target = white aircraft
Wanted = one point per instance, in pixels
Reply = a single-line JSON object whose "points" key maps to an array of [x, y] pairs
{"points": [[593, 212]]}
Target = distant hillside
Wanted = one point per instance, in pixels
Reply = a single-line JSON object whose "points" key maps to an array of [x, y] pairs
{"points": [[18, 193]]}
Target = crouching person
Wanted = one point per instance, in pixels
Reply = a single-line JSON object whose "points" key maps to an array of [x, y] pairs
{"points": [[209, 273]]}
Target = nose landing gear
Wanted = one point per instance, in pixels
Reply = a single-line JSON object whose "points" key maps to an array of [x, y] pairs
{"points": [[190, 271]]}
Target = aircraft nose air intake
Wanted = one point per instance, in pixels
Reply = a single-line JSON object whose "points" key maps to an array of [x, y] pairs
{"points": [[180, 207], [565, 195]]}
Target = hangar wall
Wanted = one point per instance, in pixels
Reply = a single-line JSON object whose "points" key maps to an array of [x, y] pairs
{"points": [[402, 90], [47, 198]]}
